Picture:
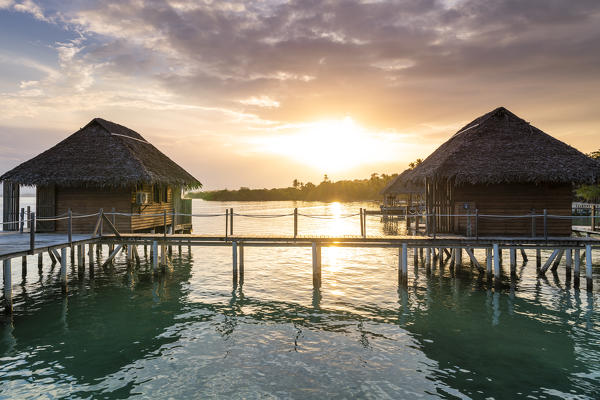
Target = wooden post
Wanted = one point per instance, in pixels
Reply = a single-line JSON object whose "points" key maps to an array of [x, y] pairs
{"points": [[513, 261], [415, 257], [362, 226], [593, 219], [316, 261], [154, 256], [234, 252], [365, 223], [101, 216], [32, 227], [40, 261], [476, 224], [226, 222], [576, 271], [441, 257], [114, 217], [91, 257], [496, 261], [524, 255], [569, 262], [231, 221], [538, 259], [433, 224], [79, 255], [469, 223], [533, 230], [63, 269], [7, 273], [24, 266], [557, 260], [112, 255], [404, 263], [165, 224], [588, 266], [428, 259], [52, 257], [295, 222], [458, 257], [22, 220], [28, 217], [129, 253], [549, 261], [488, 262], [241, 272], [545, 224], [70, 226], [163, 254]]}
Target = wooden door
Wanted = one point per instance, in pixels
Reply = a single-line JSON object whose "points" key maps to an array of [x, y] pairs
{"points": [[45, 207]]}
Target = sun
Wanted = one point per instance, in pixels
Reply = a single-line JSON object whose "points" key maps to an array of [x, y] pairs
{"points": [[328, 145]]}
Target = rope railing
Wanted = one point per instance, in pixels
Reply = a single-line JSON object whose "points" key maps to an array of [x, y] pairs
{"points": [[431, 220], [331, 216]]}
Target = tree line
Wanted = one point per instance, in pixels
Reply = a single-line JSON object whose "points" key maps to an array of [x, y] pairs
{"points": [[326, 190], [590, 193]]}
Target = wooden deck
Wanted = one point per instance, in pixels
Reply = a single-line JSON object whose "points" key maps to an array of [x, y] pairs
{"points": [[586, 230], [16, 244], [425, 250]]}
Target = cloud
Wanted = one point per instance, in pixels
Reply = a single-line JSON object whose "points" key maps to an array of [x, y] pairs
{"points": [[27, 6], [395, 66]]}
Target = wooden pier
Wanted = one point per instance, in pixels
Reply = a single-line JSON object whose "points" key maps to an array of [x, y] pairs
{"points": [[424, 251]]}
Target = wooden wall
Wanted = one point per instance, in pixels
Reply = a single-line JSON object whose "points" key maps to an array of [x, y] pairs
{"points": [[151, 222], [10, 206], [89, 201], [514, 199]]}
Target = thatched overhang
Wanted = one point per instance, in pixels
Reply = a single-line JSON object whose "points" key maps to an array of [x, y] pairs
{"points": [[400, 185], [101, 154], [500, 147]]}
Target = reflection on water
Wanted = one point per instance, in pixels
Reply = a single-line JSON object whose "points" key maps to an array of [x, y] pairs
{"points": [[188, 333]]}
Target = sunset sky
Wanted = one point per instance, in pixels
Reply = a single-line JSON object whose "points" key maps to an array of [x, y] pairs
{"points": [[259, 93]]}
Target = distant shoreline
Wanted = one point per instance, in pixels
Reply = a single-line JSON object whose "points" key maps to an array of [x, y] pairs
{"points": [[326, 191]]}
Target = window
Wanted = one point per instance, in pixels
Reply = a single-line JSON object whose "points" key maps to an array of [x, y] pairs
{"points": [[156, 194], [160, 194]]}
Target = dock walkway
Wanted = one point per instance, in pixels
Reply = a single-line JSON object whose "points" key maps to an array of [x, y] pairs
{"points": [[426, 251]]}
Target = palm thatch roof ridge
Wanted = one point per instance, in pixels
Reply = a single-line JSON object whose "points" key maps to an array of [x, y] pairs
{"points": [[399, 185], [101, 154], [500, 147]]}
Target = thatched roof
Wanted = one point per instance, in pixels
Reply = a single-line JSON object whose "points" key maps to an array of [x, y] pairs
{"points": [[399, 185], [500, 147], [101, 154]]}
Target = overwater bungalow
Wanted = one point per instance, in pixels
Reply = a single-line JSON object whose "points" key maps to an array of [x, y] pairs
{"points": [[401, 192], [106, 166], [499, 164]]}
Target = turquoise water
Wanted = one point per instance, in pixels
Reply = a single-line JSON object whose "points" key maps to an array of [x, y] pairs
{"points": [[189, 334]]}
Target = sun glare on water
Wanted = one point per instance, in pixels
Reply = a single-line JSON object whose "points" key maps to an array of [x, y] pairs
{"points": [[329, 145]]}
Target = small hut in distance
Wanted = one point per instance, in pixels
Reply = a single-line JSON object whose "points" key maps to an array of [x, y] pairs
{"points": [[103, 165], [501, 165], [401, 193]]}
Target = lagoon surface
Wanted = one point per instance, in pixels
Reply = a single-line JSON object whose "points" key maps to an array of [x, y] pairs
{"points": [[188, 334]]}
